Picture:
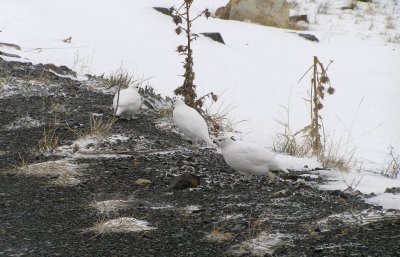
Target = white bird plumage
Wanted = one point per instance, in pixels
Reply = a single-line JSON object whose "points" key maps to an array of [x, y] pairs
{"points": [[129, 102], [248, 158], [190, 122]]}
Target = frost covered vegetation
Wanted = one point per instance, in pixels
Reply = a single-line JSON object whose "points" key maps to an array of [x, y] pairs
{"points": [[73, 174]]}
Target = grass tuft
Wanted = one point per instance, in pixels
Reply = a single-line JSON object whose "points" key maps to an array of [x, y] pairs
{"points": [[119, 225], [334, 158], [119, 79], [323, 7], [49, 140], [218, 235], [63, 172], [218, 119], [110, 206], [97, 127], [393, 168]]}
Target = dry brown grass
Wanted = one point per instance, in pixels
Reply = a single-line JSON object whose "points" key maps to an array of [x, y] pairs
{"points": [[4, 80], [119, 79], [335, 158], [300, 144], [98, 126], [218, 235], [295, 144], [390, 24], [109, 207], [394, 39], [323, 7], [49, 140], [218, 119], [166, 113], [311, 139], [393, 168]]}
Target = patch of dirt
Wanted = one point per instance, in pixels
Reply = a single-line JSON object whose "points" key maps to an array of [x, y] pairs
{"points": [[41, 218]]}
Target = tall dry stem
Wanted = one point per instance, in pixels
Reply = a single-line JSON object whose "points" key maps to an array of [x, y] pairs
{"points": [[183, 21], [319, 79]]}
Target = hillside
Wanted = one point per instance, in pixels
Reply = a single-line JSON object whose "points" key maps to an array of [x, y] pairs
{"points": [[87, 201]]}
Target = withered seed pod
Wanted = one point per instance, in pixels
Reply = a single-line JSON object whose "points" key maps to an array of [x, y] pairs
{"points": [[324, 79], [177, 19], [207, 13], [331, 90]]}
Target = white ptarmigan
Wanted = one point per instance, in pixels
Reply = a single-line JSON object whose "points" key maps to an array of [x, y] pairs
{"points": [[129, 102], [248, 158], [190, 122]]}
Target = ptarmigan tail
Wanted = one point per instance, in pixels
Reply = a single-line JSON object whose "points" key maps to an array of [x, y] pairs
{"points": [[208, 141], [284, 170], [279, 166]]}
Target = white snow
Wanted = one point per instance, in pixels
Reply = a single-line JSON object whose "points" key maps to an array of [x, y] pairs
{"points": [[258, 69], [86, 146], [386, 200], [191, 208], [23, 122], [366, 182]]}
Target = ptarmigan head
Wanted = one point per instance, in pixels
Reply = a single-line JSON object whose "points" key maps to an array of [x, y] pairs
{"points": [[222, 141], [134, 88], [178, 101]]}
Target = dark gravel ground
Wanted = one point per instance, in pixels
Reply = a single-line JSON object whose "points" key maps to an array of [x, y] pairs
{"points": [[42, 218]]}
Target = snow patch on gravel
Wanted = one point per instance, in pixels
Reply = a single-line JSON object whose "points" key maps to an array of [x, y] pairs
{"points": [[23, 122]]}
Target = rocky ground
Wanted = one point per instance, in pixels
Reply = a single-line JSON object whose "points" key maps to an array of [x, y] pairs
{"points": [[110, 197]]}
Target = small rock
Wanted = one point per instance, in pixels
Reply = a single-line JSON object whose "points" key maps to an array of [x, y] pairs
{"points": [[16, 47], [290, 177], [216, 36], [392, 190], [308, 37], [349, 7], [370, 195], [143, 182], [297, 18], [186, 180], [61, 70], [9, 55], [163, 10], [281, 193]]}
